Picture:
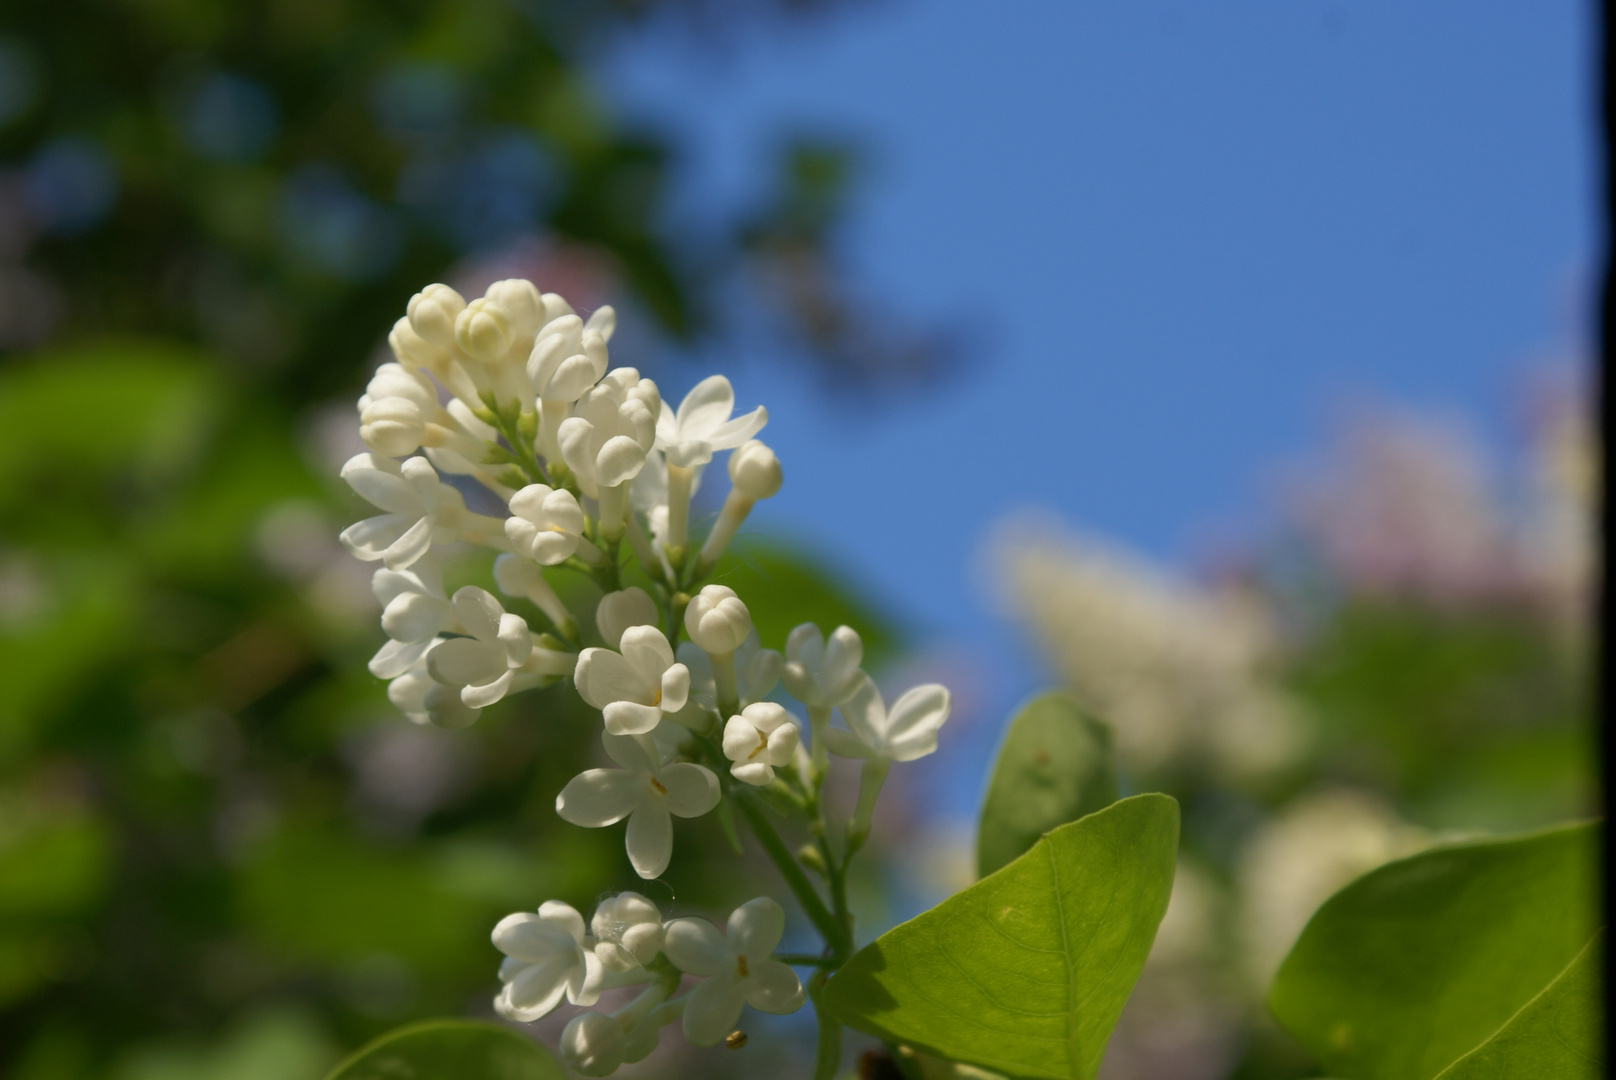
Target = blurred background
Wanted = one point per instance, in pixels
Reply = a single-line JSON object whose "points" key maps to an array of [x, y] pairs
{"points": [[1229, 367]]}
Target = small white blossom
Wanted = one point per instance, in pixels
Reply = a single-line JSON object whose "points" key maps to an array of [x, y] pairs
{"points": [[422, 699], [618, 611], [593, 1044], [702, 424], [548, 524], [567, 359], [644, 791], [755, 471], [396, 409], [420, 510], [415, 610], [738, 970], [758, 740], [612, 428], [547, 959], [635, 687], [907, 732], [821, 673], [757, 671], [717, 620], [628, 931], [485, 663]]}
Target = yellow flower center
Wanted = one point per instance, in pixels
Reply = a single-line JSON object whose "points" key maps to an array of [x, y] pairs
{"points": [[660, 790], [740, 967]]}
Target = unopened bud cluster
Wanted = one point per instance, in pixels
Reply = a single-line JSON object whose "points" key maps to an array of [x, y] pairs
{"points": [[515, 392]]}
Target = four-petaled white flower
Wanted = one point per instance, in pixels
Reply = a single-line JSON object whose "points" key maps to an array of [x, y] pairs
{"points": [[702, 424], [646, 792], [421, 510], [484, 663], [717, 620], [635, 687], [546, 959], [759, 739], [906, 732], [568, 358], [737, 968], [395, 410], [822, 673], [547, 525], [414, 611], [628, 931]]}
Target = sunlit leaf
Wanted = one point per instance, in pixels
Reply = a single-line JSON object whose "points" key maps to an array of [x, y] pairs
{"points": [[1055, 766], [450, 1050], [1418, 963], [1027, 970]]}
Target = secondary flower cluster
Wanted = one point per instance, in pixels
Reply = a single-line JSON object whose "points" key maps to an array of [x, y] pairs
{"points": [[514, 391], [551, 955]]}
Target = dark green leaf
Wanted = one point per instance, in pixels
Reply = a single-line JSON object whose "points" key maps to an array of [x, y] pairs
{"points": [[1416, 964], [451, 1050], [1027, 970], [1055, 766]]}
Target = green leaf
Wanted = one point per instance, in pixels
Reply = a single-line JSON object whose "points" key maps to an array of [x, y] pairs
{"points": [[450, 1050], [1556, 1036], [1027, 970], [1416, 964], [1055, 766]]}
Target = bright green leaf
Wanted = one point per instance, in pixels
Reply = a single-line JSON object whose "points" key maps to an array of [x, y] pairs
{"points": [[1055, 766], [1556, 1036], [451, 1050], [1027, 970], [1416, 964]]}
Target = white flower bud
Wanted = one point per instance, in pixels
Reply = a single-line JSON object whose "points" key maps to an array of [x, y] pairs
{"points": [[483, 330], [628, 929], [717, 620], [392, 426], [618, 611], [432, 314], [524, 308], [754, 470], [547, 524], [592, 1044]]}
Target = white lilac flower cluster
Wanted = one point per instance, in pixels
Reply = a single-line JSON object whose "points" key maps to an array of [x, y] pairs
{"points": [[514, 391]]}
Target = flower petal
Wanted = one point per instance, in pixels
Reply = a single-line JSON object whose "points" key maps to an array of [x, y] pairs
{"points": [[913, 721], [485, 694], [755, 928], [597, 797], [692, 789], [533, 938], [846, 744], [631, 718], [696, 947], [397, 657], [408, 548], [675, 688], [604, 677], [465, 662], [648, 652], [636, 753], [380, 483], [774, 988], [729, 435], [617, 611], [649, 841], [369, 539], [535, 990], [619, 461], [866, 714], [712, 1010], [478, 611], [707, 406], [565, 916], [414, 616]]}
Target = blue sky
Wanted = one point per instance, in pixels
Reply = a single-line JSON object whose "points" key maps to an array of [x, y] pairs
{"points": [[1188, 234]]}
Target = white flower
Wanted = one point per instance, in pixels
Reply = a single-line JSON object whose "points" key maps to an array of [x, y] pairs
{"points": [[612, 428], [414, 611], [421, 510], [422, 699], [702, 424], [395, 410], [738, 969], [485, 662], [644, 791], [548, 524], [636, 687], [907, 732], [567, 360], [432, 313], [757, 671], [546, 960], [717, 620], [823, 674], [759, 739], [628, 931], [618, 611]]}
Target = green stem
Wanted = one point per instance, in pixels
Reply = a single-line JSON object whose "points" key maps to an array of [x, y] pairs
{"points": [[833, 930], [523, 449], [828, 1050]]}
